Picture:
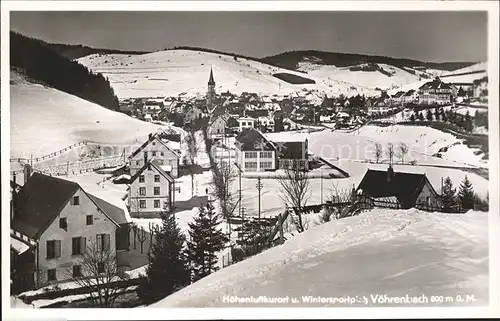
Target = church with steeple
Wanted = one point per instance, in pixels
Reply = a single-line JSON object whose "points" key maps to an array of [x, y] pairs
{"points": [[211, 93]]}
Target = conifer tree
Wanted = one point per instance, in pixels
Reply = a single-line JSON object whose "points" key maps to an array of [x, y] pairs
{"points": [[168, 269], [466, 194], [412, 118], [448, 195], [420, 116], [205, 241], [428, 115]]}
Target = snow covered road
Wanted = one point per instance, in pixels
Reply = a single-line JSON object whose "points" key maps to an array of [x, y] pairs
{"points": [[390, 253]]}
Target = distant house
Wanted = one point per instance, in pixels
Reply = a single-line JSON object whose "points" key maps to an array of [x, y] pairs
{"points": [[266, 122], [287, 106], [410, 96], [191, 113], [151, 190], [148, 118], [153, 106], [156, 147], [218, 122], [59, 220], [245, 123], [408, 189], [436, 92], [254, 152], [397, 98], [481, 87]]}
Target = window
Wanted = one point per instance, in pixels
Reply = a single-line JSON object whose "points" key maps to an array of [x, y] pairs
{"points": [[101, 267], [154, 144], [53, 249], [75, 200], [77, 271], [51, 275], [157, 178], [162, 153], [266, 165], [141, 179], [251, 165], [137, 162], [243, 123], [102, 241], [250, 154], [78, 245], [156, 190], [142, 191], [154, 154], [63, 223], [142, 204], [90, 219], [266, 154], [145, 154], [157, 204]]}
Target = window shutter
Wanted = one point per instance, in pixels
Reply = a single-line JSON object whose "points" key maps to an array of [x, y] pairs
{"points": [[50, 250], [83, 245], [99, 242], [58, 249], [106, 242]]}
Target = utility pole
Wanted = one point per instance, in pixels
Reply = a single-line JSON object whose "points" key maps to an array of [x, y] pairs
{"points": [[259, 188], [242, 223]]}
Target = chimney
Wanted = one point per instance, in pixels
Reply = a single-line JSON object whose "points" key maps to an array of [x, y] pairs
{"points": [[150, 136], [390, 173], [27, 172]]}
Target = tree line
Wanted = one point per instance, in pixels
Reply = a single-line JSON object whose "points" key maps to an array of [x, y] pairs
{"points": [[43, 64]]}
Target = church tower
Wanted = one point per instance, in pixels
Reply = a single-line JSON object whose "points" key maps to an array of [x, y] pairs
{"points": [[211, 92]]}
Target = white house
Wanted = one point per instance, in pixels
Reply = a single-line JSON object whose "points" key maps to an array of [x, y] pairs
{"points": [[245, 123], [150, 191], [156, 147], [60, 221], [254, 153]]}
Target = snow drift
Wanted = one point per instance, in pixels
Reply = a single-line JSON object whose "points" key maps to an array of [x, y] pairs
{"points": [[391, 252]]}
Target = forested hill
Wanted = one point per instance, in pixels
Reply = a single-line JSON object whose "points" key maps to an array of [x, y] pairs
{"points": [[41, 63], [291, 59]]}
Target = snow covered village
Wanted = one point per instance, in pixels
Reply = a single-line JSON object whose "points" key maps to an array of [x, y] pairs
{"points": [[194, 177]]}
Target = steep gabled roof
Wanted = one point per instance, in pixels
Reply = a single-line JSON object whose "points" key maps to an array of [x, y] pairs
{"points": [[253, 140], [40, 201], [405, 186], [435, 84], [151, 138], [156, 167]]}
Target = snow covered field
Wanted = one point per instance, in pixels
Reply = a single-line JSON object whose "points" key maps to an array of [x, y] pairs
{"points": [[391, 252], [44, 120], [171, 72], [423, 142]]}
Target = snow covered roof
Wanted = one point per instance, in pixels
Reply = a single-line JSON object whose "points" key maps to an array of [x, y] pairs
{"points": [[18, 246]]}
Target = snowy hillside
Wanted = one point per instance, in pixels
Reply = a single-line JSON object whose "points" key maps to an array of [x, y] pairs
{"points": [[479, 67], [44, 120], [392, 252], [422, 141], [368, 79], [172, 72]]}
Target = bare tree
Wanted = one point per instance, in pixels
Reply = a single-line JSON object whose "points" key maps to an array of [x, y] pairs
{"points": [[192, 152], [377, 152], [390, 152], [295, 189], [402, 151], [223, 176], [99, 273], [142, 236]]}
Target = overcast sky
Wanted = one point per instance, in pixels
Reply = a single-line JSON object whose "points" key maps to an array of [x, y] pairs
{"points": [[426, 36]]}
